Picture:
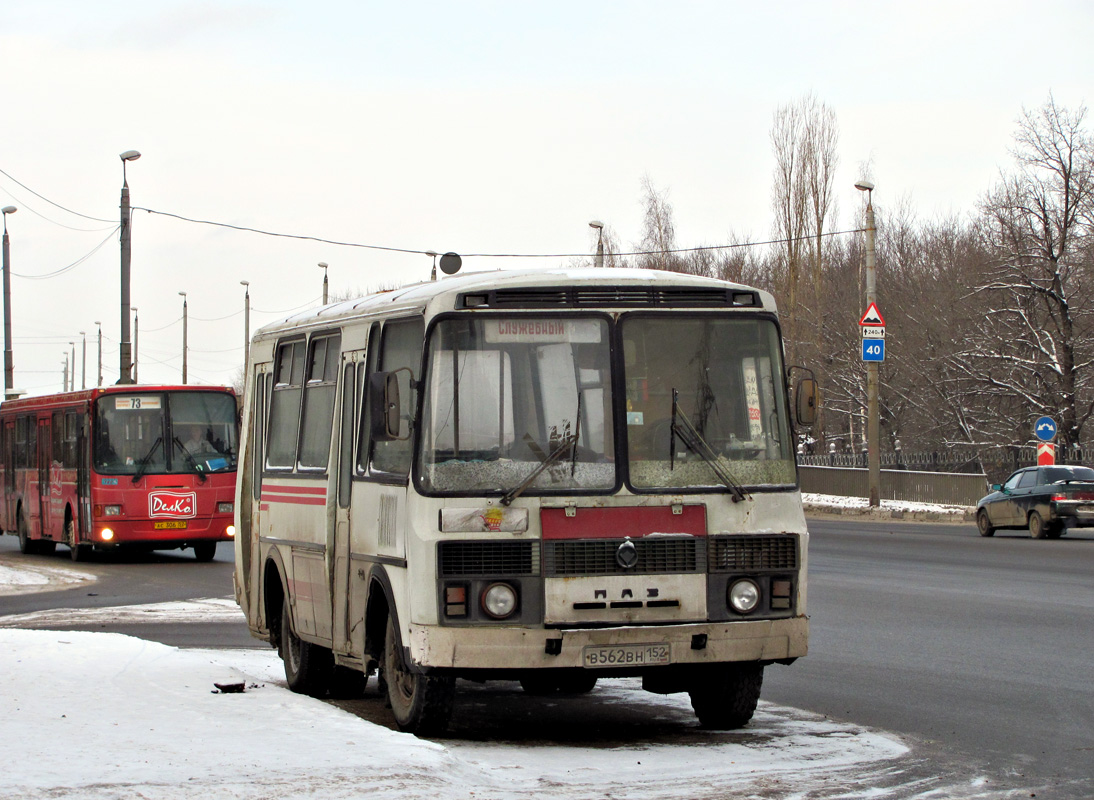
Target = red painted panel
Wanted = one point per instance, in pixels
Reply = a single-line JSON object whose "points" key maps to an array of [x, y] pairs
{"points": [[612, 523]]}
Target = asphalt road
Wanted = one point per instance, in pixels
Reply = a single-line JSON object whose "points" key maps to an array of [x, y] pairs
{"points": [[977, 650]]}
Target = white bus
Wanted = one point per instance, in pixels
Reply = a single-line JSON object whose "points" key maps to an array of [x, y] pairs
{"points": [[541, 476]]}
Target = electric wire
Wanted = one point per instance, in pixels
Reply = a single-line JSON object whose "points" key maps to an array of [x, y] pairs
{"points": [[73, 265], [58, 205]]}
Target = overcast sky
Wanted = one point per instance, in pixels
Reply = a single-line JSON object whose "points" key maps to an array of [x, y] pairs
{"points": [[474, 127]]}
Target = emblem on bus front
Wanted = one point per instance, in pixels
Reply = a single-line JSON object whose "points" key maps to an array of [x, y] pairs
{"points": [[626, 555], [172, 504]]}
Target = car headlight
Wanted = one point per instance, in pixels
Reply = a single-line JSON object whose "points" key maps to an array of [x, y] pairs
{"points": [[743, 595], [499, 600]]}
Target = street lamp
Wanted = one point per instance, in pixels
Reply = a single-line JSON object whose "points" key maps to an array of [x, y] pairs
{"points": [[125, 356], [323, 265], [246, 320], [433, 274], [64, 374], [183, 296], [72, 374], [136, 337], [83, 362], [100, 326], [873, 426], [9, 367], [599, 227]]}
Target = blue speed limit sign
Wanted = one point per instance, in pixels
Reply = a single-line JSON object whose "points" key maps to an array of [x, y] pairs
{"points": [[873, 349]]}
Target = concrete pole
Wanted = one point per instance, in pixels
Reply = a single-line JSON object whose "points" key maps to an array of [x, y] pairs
{"points": [[9, 364], [125, 355], [873, 424], [184, 348]]}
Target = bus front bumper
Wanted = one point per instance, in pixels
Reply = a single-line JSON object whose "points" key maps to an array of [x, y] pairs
{"points": [[498, 648]]}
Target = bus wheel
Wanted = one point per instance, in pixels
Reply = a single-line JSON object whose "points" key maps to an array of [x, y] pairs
{"points": [[47, 547], [725, 697], [76, 551], [204, 551], [421, 704], [307, 666], [27, 546]]}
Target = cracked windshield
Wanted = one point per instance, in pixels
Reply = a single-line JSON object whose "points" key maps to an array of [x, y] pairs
{"points": [[510, 396], [723, 372], [179, 432]]}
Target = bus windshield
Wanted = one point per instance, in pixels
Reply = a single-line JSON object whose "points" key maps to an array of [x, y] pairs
{"points": [[507, 396], [726, 375], [165, 432]]}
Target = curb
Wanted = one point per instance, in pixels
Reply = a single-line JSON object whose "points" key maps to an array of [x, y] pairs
{"points": [[943, 514]]}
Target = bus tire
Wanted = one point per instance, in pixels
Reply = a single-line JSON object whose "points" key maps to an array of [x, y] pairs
{"points": [[725, 697], [76, 551], [27, 546], [204, 551], [421, 704], [307, 666]]}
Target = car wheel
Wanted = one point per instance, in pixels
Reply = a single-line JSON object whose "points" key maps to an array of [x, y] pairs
{"points": [[1037, 526], [983, 524]]}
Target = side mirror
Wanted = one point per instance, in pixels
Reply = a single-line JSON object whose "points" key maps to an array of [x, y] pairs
{"points": [[384, 402], [997, 487], [805, 401]]}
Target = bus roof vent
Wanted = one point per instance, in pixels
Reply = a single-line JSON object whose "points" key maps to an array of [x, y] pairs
{"points": [[612, 296]]}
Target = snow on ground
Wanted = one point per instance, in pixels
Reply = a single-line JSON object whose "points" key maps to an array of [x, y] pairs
{"points": [[21, 578], [111, 716]]}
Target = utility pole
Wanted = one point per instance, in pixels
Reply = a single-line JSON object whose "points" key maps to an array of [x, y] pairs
{"points": [[125, 365], [9, 365], [873, 425], [323, 264], [83, 362], [246, 322], [183, 295], [136, 337], [100, 327]]}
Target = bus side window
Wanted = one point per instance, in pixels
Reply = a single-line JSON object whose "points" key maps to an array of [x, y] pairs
{"points": [[258, 428], [345, 445], [319, 389], [58, 435], [68, 455], [400, 348], [364, 434], [284, 419]]}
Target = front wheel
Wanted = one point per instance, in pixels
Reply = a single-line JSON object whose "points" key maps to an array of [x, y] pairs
{"points": [[983, 524], [76, 551], [421, 704], [725, 697], [308, 666]]}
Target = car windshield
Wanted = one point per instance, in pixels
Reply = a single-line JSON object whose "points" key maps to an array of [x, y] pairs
{"points": [[505, 395], [726, 375], [166, 432]]}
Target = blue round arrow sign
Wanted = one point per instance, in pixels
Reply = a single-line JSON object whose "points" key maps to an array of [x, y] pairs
{"points": [[1045, 428]]}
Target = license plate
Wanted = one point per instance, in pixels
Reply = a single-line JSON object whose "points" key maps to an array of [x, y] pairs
{"points": [[626, 655], [169, 526]]}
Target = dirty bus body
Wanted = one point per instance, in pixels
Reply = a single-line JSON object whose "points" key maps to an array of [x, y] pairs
{"points": [[548, 477], [129, 466]]}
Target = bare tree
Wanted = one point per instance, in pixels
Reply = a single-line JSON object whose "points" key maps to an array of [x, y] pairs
{"points": [[658, 231]]}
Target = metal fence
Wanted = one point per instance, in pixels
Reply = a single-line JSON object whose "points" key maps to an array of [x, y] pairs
{"points": [[996, 462], [947, 488]]}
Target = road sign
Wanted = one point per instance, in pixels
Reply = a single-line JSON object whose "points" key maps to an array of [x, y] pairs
{"points": [[1046, 454], [872, 317], [1045, 429], [873, 332], [873, 349]]}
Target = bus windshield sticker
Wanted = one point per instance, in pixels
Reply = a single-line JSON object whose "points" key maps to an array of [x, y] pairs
{"points": [[137, 403], [539, 331]]}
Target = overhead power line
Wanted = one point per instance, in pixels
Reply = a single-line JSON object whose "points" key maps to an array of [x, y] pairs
{"points": [[73, 265], [58, 205]]}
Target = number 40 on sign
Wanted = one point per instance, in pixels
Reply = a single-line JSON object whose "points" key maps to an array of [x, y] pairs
{"points": [[873, 349]]}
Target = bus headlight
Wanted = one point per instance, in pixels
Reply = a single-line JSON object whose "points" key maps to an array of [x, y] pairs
{"points": [[112, 511], [499, 600], [230, 531], [106, 534], [225, 508], [743, 596]]}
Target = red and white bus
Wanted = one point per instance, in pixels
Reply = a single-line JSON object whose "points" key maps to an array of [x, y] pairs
{"points": [[140, 466]]}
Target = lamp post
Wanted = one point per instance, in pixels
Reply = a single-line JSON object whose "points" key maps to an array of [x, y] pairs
{"points": [[873, 426], [100, 327], [246, 319], [136, 337], [125, 356], [599, 227], [9, 367], [72, 374], [64, 375], [323, 265], [183, 296], [83, 362]]}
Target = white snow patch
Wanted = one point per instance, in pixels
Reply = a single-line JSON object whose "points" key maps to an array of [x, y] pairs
{"points": [[209, 609], [22, 578]]}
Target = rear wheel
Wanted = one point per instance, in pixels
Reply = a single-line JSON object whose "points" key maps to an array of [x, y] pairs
{"points": [[725, 697], [1037, 528], [76, 551], [983, 524], [27, 546], [308, 666], [204, 551], [421, 704]]}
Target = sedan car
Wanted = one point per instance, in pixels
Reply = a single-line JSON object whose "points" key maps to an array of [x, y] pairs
{"points": [[1047, 500]]}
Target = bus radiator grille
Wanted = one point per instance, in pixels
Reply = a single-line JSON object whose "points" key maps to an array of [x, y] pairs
{"points": [[750, 553], [598, 557], [487, 559]]}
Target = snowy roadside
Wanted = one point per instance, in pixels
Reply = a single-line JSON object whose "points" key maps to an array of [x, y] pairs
{"points": [[19, 577], [824, 504]]}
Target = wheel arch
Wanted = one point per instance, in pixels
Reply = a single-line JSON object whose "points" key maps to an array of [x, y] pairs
{"points": [[275, 590], [378, 607]]}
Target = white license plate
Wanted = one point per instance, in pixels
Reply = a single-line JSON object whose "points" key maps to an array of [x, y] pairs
{"points": [[626, 655]]}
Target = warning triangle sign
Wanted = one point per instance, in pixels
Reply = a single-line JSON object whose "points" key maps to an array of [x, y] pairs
{"points": [[872, 317]]}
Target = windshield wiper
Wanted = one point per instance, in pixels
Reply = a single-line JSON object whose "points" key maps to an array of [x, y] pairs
{"points": [[143, 463], [189, 459], [681, 427], [565, 443]]}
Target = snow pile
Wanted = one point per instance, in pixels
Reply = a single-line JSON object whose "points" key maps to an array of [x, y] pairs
{"points": [[37, 578]]}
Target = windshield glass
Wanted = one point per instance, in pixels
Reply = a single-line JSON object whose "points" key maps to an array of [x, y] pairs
{"points": [[505, 394], [146, 432], [727, 374]]}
